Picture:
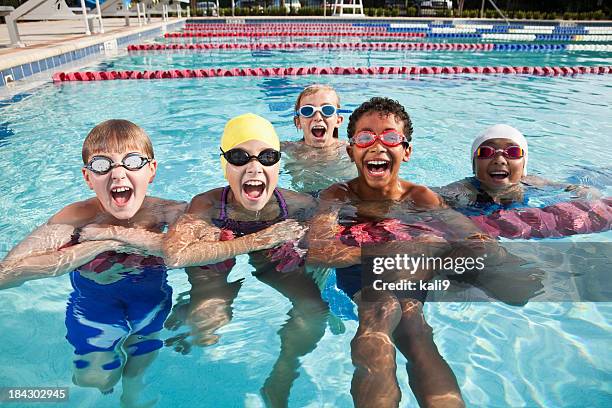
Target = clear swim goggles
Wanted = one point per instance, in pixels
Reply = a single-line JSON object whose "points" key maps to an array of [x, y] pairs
{"points": [[102, 164]]}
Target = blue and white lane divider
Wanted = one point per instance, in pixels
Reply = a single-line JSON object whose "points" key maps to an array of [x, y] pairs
{"points": [[552, 47], [466, 28], [589, 47]]}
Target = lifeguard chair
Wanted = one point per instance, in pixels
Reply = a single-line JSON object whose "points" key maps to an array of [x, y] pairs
{"points": [[354, 5]]}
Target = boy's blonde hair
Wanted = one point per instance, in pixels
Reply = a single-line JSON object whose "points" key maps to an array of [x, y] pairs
{"points": [[116, 136], [310, 90]]}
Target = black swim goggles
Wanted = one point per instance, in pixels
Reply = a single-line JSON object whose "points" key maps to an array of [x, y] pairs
{"points": [[240, 157], [102, 164]]}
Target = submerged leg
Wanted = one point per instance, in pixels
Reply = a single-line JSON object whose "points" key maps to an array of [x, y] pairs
{"points": [[208, 309], [431, 378], [142, 351], [299, 335], [99, 369], [373, 352]]}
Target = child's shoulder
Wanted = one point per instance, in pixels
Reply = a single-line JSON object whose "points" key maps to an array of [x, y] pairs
{"points": [[206, 200], [337, 192], [287, 144], [157, 202], [77, 214], [290, 147], [422, 196], [169, 210]]}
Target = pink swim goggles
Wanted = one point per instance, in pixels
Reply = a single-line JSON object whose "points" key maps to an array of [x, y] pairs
{"points": [[389, 138]]}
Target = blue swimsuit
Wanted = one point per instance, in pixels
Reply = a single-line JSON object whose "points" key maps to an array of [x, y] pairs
{"points": [[100, 316]]}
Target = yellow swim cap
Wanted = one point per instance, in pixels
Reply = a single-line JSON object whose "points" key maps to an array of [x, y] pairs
{"points": [[244, 128]]}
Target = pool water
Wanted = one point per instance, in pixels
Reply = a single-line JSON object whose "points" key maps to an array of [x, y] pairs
{"points": [[199, 59], [542, 354]]}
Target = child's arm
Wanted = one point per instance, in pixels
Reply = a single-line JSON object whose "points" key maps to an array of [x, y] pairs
{"points": [[41, 255], [324, 249], [580, 191], [457, 193], [148, 242], [193, 241]]}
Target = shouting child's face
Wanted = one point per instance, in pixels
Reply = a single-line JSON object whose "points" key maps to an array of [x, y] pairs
{"points": [[253, 183], [378, 164], [120, 181], [503, 168], [319, 128]]}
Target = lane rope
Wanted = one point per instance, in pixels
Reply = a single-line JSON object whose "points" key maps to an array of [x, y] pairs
{"points": [[375, 46], [292, 71]]}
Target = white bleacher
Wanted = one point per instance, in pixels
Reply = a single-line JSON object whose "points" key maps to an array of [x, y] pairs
{"points": [[159, 8], [117, 8], [179, 10], [35, 10]]}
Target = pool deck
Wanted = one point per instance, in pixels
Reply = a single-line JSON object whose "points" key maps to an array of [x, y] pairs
{"points": [[45, 39]]}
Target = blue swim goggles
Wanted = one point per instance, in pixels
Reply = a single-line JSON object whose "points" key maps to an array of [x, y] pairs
{"points": [[326, 110]]}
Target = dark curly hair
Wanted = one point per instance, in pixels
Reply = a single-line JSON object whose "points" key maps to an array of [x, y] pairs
{"points": [[384, 106]]}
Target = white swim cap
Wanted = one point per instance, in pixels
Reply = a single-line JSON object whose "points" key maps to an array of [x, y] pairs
{"points": [[500, 132]]}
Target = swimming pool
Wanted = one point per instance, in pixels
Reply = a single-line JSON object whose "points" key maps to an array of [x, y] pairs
{"points": [[543, 354]]}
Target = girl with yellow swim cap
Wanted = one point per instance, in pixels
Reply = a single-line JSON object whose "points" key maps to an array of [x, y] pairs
{"points": [[248, 216]]}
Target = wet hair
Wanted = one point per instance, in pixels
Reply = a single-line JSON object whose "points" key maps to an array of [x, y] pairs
{"points": [[385, 107], [116, 136], [310, 90]]}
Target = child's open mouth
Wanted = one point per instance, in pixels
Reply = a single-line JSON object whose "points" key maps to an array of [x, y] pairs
{"points": [[318, 131], [253, 189], [499, 175], [378, 168], [121, 195]]}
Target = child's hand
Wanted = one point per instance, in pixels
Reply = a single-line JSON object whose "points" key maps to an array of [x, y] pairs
{"points": [[281, 232], [585, 192], [97, 232]]}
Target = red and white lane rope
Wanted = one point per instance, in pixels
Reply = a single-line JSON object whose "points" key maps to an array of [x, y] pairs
{"points": [[288, 33], [334, 46], [292, 71]]}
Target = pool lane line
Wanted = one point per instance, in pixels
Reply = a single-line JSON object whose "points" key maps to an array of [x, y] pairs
{"points": [[429, 27], [549, 32], [391, 33], [86, 76], [258, 34], [317, 45], [375, 46]]}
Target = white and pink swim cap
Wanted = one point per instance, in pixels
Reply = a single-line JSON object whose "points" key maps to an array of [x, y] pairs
{"points": [[500, 131]]}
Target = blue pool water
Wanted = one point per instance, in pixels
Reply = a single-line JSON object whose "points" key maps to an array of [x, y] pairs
{"points": [[543, 354], [188, 59]]}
